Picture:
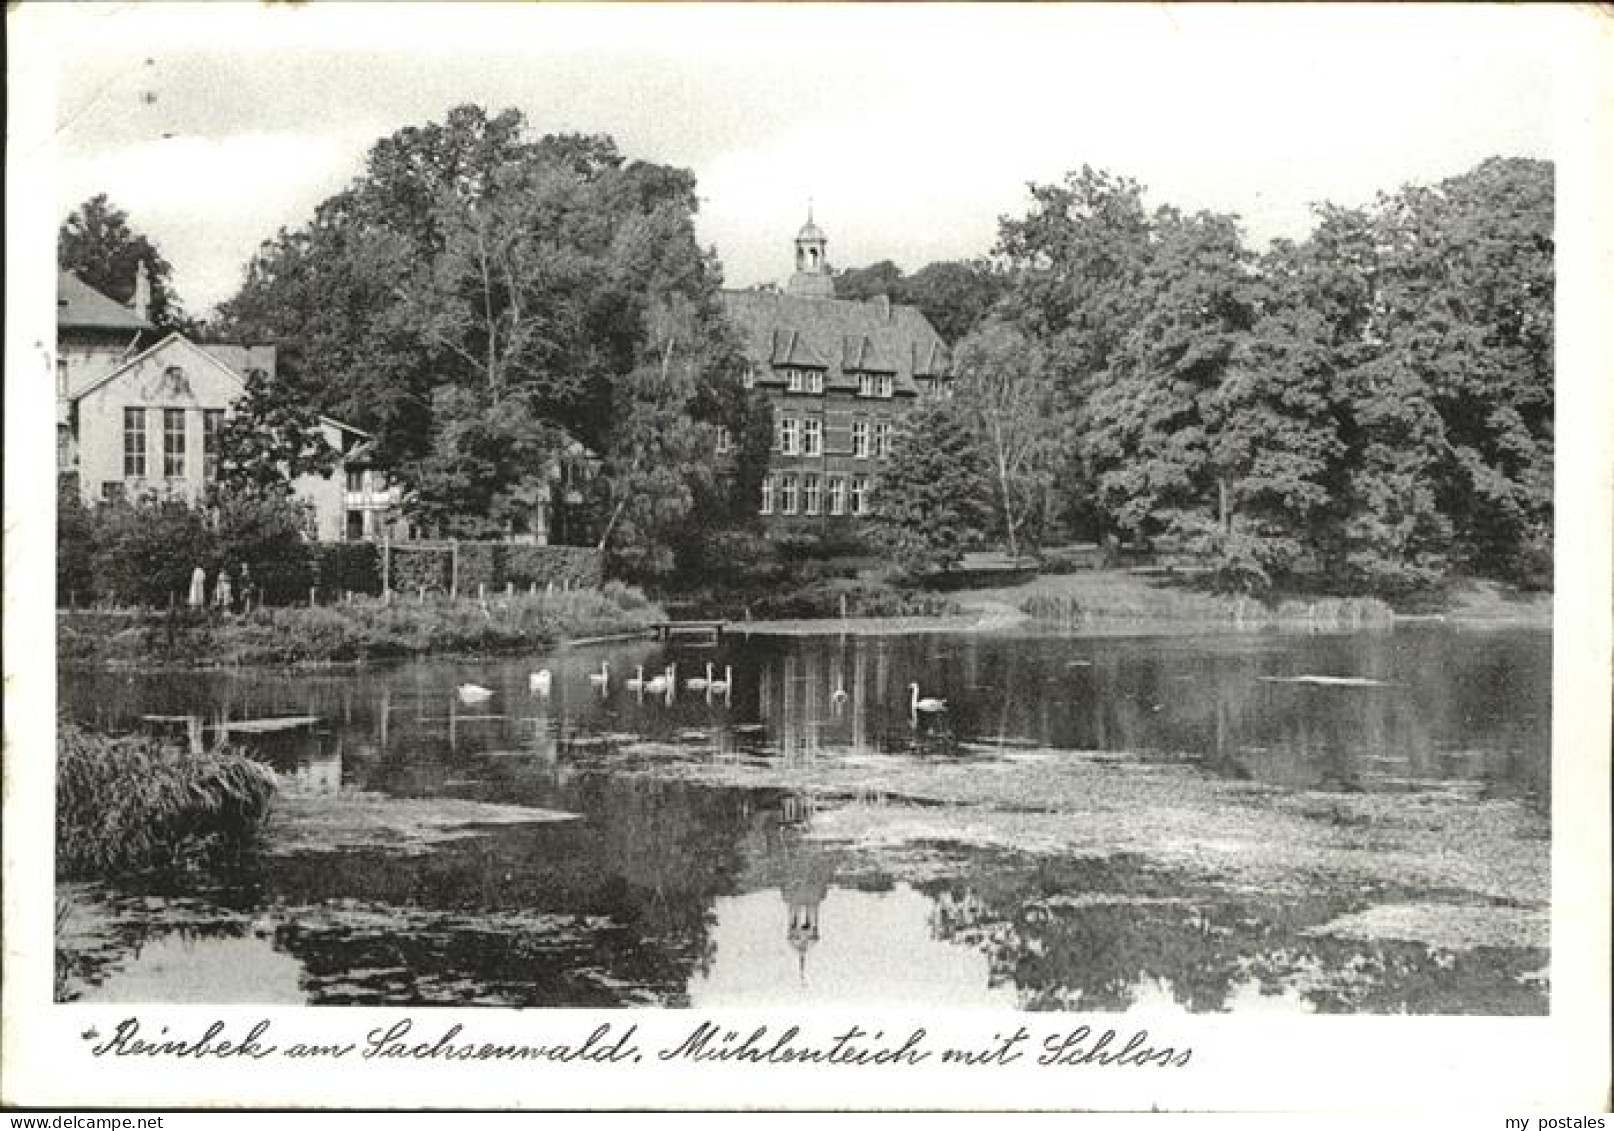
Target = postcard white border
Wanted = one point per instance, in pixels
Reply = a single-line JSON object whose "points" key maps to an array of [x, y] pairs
{"points": [[1560, 1062]]}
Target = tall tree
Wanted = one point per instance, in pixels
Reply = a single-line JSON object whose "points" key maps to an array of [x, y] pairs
{"points": [[97, 243], [1002, 386], [932, 499], [483, 301], [1145, 424], [1468, 312]]}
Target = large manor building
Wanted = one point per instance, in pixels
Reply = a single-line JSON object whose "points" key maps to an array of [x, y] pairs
{"points": [[841, 374]]}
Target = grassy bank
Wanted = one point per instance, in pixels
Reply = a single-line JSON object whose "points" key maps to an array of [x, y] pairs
{"points": [[125, 804], [365, 629], [1100, 596]]}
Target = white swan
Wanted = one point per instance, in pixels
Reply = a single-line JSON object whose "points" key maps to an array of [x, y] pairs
{"points": [[656, 684], [720, 686], [698, 683], [472, 693], [538, 682], [917, 705]]}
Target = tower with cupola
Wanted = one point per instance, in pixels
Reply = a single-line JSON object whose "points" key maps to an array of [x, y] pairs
{"points": [[812, 278]]}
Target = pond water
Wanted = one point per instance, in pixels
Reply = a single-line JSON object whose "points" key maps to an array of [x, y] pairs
{"points": [[684, 849]]}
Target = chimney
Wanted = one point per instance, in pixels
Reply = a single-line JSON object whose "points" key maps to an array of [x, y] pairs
{"points": [[142, 292]]}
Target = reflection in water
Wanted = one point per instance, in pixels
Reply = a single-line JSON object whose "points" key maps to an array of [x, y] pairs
{"points": [[677, 893], [202, 969], [814, 944]]}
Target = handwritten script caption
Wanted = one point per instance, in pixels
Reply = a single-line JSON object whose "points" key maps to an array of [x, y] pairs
{"points": [[406, 1039]]}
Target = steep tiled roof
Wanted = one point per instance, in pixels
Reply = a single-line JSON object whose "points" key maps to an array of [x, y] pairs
{"points": [[843, 335], [244, 359], [80, 306]]}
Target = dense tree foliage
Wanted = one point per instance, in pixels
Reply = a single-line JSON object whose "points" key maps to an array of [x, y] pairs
{"points": [[1368, 409], [932, 498], [954, 295], [143, 551], [269, 440], [97, 243], [486, 303]]}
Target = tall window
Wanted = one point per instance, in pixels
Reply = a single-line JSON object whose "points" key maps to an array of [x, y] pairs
{"points": [[749, 377], [134, 443], [787, 494], [725, 442], [355, 480], [767, 494], [173, 443], [810, 497], [860, 494], [883, 386], [792, 380], [860, 439], [789, 435], [61, 377], [882, 440], [815, 381], [812, 437], [212, 432], [837, 495], [865, 384]]}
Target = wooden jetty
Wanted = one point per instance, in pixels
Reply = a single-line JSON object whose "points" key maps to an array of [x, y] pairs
{"points": [[710, 629]]}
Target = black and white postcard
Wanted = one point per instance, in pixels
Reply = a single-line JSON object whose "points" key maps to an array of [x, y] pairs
{"points": [[808, 556]]}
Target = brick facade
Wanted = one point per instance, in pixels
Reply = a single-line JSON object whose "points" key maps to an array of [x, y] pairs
{"points": [[841, 375]]}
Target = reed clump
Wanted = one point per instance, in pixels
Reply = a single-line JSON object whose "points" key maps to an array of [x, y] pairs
{"points": [[124, 804]]}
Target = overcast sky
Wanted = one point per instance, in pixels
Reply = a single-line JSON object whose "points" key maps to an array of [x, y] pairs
{"points": [[912, 128]]}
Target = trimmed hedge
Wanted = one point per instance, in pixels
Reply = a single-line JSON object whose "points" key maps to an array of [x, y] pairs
{"points": [[347, 567], [496, 565]]}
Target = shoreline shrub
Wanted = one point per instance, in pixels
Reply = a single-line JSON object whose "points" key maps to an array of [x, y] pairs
{"points": [[133, 803]]}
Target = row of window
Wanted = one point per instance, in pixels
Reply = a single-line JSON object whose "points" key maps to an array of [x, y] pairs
{"points": [[845, 496], [794, 437], [811, 381], [174, 442]]}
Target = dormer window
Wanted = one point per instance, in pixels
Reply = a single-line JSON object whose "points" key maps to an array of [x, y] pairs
{"points": [[793, 381]]}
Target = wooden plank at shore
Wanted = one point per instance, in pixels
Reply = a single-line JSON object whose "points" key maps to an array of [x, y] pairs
{"points": [[265, 726]]}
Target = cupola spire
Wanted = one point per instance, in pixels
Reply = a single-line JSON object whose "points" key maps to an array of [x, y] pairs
{"points": [[812, 278]]}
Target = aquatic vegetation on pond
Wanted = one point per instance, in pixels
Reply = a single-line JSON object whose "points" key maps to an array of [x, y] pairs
{"points": [[124, 804], [307, 822]]}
